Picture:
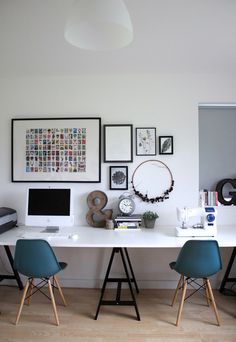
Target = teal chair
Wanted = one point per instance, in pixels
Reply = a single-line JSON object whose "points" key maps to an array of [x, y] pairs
{"points": [[36, 260], [197, 259]]}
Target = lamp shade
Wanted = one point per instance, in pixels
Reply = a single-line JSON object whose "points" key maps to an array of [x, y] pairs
{"points": [[98, 25]]}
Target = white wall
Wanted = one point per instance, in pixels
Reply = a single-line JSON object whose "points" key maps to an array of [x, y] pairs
{"points": [[168, 102]]}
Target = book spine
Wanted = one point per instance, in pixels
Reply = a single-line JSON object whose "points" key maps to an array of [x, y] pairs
{"points": [[208, 198], [216, 194], [127, 225]]}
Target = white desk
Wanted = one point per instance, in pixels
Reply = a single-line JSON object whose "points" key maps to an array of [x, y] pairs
{"points": [[159, 237], [89, 237]]}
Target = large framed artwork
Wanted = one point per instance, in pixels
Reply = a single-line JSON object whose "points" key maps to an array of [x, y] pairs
{"points": [[145, 141], [56, 150], [118, 143]]}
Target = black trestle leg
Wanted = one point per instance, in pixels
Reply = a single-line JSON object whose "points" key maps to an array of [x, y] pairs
{"points": [[125, 259], [15, 274], [105, 282], [131, 270], [227, 277], [130, 285]]}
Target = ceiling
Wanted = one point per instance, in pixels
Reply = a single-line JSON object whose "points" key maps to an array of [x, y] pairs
{"points": [[170, 36]]}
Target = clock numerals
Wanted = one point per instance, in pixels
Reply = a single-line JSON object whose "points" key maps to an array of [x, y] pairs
{"points": [[126, 206]]}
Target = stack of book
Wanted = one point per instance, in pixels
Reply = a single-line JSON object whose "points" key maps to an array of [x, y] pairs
{"points": [[128, 222], [208, 198]]}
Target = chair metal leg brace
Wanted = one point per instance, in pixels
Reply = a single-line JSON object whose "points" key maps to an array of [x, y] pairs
{"points": [[31, 289], [119, 282], [182, 284], [36, 288], [200, 287]]}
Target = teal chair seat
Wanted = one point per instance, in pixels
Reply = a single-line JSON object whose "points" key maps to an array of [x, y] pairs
{"points": [[36, 260], [197, 259]]}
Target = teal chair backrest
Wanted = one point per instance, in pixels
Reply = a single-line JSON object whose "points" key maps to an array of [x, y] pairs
{"points": [[199, 259], [35, 258]]}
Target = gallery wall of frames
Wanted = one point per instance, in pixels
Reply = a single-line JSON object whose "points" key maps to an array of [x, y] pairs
{"points": [[69, 149]]}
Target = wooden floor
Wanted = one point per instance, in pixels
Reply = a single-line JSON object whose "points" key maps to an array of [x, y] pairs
{"points": [[115, 323]]}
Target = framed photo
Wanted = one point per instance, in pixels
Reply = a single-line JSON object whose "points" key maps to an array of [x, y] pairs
{"points": [[118, 143], [166, 144], [56, 150], [118, 177], [146, 141]]}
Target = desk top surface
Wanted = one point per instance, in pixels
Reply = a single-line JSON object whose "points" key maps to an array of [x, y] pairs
{"points": [[83, 236]]}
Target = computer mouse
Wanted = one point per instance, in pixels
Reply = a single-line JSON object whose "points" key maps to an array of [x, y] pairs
{"points": [[73, 236]]}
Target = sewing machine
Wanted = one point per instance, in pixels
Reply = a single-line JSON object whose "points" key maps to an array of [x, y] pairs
{"points": [[197, 221]]}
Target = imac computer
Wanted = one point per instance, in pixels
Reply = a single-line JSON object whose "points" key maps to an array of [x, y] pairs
{"points": [[49, 207]]}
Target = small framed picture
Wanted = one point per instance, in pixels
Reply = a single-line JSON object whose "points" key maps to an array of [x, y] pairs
{"points": [[118, 177], [145, 141], [166, 144]]}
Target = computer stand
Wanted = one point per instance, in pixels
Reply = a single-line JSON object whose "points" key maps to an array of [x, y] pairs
{"points": [[15, 274], [228, 279], [51, 229], [126, 263]]}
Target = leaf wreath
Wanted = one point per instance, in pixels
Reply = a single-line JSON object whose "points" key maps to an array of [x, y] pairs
{"points": [[163, 196]]}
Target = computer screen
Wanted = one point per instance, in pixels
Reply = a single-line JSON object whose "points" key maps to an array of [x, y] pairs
{"points": [[49, 207]]}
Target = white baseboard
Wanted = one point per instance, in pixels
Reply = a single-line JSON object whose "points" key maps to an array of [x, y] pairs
{"points": [[97, 283], [142, 284]]}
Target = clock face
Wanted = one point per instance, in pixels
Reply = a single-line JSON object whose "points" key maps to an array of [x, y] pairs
{"points": [[126, 206]]}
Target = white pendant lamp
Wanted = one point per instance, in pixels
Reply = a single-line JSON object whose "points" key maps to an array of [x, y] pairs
{"points": [[99, 25]]}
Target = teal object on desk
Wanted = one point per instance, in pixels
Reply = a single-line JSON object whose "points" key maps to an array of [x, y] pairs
{"points": [[197, 259], [35, 258]]}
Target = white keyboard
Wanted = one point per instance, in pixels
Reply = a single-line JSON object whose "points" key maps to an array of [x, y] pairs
{"points": [[45, 236]]}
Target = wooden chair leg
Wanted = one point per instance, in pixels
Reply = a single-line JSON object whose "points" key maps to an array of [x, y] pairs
{"points": [[53, 302], [60, 290], [31, 286], [180, 284], [213, 300], [181, 302], [22, 301], [206, 292]]}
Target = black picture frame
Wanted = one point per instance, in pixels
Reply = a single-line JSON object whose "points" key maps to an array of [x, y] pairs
{"points": [[65, 150], [145, 141], [166, 144], [118, 177], [118, 143]]}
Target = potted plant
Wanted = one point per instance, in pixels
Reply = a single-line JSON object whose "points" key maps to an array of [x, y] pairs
{"points": [[149, 219]]}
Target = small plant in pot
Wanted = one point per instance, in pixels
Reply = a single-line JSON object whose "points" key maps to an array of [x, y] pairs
{"points": [[149, 219]]}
